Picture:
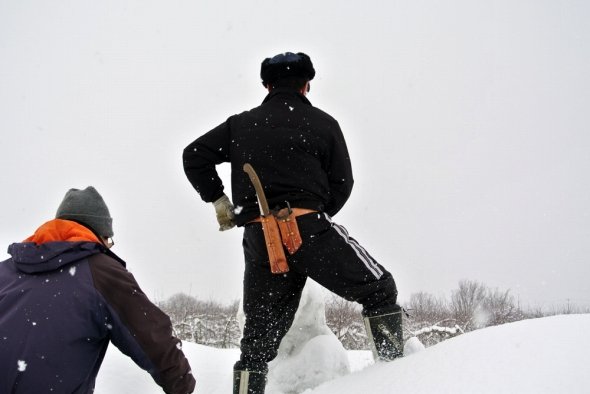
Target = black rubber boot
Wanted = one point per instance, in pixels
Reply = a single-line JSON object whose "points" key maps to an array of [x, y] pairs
{"points": [[249, 382], [385, 335]]}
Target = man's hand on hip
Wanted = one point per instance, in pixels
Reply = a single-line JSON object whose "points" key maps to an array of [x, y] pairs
{"points": [[224, 210]]}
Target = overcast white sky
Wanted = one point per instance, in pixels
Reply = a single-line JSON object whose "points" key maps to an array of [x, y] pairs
{"points": [[467, 123]]}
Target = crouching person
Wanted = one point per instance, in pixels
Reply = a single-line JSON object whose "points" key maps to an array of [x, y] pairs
{"points": [[64, 295]]}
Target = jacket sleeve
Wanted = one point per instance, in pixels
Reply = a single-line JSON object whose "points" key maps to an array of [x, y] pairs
{"points": [[139, 328], [200, 158], [339, 170]]}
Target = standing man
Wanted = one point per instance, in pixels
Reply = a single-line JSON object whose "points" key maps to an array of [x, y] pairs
{"points": [[301, 158], [64, 296]]}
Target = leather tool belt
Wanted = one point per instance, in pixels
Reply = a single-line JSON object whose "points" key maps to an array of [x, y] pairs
{"points": [[288, 233]]}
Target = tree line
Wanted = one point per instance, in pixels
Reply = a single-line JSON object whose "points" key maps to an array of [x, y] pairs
{"points": [[205, 322], [432, 319]]}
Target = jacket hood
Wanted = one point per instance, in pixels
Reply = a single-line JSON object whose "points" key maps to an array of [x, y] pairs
{"points": [[54, 244]]}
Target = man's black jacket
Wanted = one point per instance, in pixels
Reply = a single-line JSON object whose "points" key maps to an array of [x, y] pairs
{"points": [[297, 150]]}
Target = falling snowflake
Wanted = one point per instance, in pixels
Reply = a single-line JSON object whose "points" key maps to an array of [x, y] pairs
{"points": [[22, 365], [72, 271]]}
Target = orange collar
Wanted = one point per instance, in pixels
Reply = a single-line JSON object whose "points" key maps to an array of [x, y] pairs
{"points": [[62, 230]]}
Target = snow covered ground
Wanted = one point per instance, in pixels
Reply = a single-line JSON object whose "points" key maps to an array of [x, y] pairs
{"points": [[548, 355]]}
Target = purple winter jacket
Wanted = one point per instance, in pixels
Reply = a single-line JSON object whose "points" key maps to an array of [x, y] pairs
{"points": [[61, 303]]}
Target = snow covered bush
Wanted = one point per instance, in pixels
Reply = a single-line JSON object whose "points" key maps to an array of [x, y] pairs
{"points": [[472, 306], [207, 323], [345, 320]]}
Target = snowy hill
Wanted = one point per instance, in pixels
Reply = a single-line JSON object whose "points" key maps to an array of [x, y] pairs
{"points": [[547, 355]]}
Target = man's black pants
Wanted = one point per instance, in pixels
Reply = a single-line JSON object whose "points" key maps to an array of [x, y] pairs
{"points": [[330, 257]]}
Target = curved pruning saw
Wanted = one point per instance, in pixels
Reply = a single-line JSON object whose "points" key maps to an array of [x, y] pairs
{"points": [[270, 227]]}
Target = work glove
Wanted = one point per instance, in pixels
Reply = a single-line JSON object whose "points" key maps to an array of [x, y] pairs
{"points": [[224, 210]]}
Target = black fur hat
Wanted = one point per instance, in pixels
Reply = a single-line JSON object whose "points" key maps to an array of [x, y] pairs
{"points": [[285, 65]]}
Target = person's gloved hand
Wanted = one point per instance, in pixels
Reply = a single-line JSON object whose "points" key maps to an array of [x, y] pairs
{"points": [[224, 210]]}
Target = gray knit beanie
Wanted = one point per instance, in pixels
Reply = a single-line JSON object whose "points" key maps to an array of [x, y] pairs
{"points": [[88, 208]]}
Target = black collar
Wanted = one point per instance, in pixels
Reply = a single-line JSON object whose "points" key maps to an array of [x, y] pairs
{"points": [[286, 92]]}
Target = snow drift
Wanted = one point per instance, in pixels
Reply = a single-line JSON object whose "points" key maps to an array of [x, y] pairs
{"points": [[547, 355]]}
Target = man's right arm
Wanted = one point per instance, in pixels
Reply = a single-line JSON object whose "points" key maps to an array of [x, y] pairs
{"points": [[339, 172]]}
